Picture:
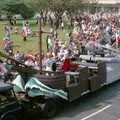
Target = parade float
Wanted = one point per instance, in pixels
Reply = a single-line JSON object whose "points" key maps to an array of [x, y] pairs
{"points": [[48, 88], [45, 89]]}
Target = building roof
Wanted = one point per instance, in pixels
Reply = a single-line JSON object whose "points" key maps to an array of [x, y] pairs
{"points": [[102, 1], [108, 1]]}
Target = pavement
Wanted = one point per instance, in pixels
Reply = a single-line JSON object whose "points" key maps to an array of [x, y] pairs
{"points": [[103, 104]]}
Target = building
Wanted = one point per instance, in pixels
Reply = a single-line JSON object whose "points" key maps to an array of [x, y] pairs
{"points": [[96, 5], [108, 1]]}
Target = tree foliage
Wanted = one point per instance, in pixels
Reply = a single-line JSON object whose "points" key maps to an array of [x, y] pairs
{"points": [[16, 7], [56, 5], [27, 7]]}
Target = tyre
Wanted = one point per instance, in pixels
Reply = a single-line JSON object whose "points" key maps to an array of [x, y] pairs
{"points": [[49, 109], [9, 117]]}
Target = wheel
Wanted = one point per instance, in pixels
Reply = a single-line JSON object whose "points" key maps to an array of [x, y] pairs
{"points": [[9, 117], [49, 108]]}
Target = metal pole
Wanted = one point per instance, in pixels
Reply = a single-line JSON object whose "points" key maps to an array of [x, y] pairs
{"points": [[40, 44]]}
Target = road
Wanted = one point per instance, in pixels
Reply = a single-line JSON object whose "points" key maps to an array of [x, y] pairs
{"points": [[101, 105]]}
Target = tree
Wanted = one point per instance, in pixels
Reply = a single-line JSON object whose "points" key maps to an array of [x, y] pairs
{"points": [[11, 7], [91, 5], [25, 11], [57, 6], [38, 5]]}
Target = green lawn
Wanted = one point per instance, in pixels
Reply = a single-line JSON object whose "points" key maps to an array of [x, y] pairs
{"points": [[32, 43]]}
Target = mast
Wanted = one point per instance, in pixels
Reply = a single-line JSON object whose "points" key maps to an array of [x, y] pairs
{"points": [[40, 44]]}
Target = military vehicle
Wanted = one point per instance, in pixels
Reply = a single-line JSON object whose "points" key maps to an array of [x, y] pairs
{"points": [[44, 90]]}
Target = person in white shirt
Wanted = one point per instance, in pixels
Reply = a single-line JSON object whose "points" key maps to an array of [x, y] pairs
{"points": [[48, 62], [62, 25], [49, 43]]}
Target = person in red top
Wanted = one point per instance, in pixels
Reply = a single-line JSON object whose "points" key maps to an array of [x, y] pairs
{"points": [[66, 65], [118, 42]]}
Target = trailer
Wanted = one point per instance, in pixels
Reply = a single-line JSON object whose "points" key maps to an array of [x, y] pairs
{"points": [[88, 78], [47, 89]]}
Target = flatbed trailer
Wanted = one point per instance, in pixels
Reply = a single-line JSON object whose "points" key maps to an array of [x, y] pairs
{"points": [[88, 78]]}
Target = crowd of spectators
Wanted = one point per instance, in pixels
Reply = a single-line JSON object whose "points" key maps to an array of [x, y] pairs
{"points": [[103, 28]]}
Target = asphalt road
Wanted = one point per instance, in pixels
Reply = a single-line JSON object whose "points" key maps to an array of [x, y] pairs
{"points": [[101, 105]]}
